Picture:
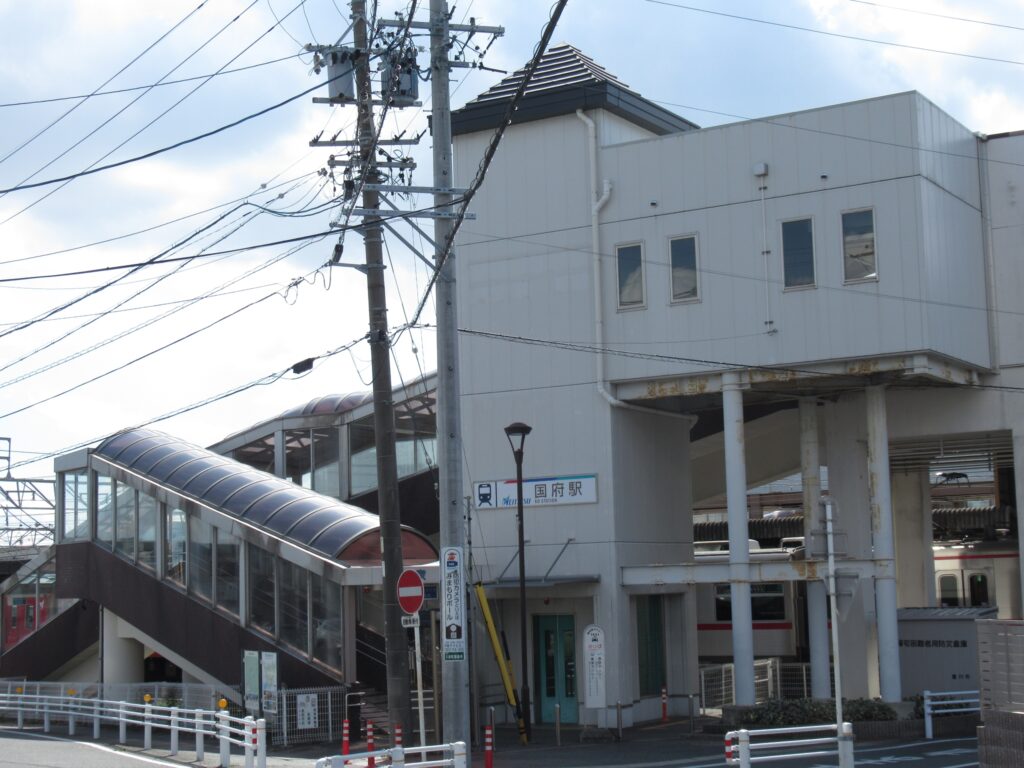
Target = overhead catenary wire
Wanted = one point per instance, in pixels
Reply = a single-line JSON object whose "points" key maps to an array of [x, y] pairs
{"points": [[934, 14]]}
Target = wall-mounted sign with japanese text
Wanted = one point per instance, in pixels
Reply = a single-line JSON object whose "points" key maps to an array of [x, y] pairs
{"points": [[593, 653], [268, 663], [537, 492], [453, 604]]}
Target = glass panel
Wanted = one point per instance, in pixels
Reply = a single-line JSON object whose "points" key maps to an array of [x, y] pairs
{"points": [[258, 454], [569, 657], [650, 644], [174, 561], [19, 611], [200, 558], [797, 253], [76, 506], [104, 511], [327, 621], [363, 461], [294, 606], [631, 275], [683, 251], [767, 602], [147, 531], [949, 591], [859, 245], [125, 517], [549, 663], [227, 571], [261, 589], [723, 603], [298, 457], [326, 472], [47, 608], [978, 588]]}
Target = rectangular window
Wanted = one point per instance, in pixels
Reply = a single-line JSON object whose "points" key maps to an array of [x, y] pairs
{"points": [[261, 589], [104, 512], [200, 558], [767, 602], [797, 253], [75, 506], [174, 562], [147, 531], [124, 526], [327, 621], [227, 571], [631, 275], [859, 246], [650, 644], [683, 254], [294, 605]]}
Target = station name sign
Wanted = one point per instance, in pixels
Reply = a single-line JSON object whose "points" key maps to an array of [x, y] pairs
{"points": [[537, 492]]}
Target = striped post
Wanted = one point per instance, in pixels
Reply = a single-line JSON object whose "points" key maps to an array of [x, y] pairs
{"points": [[488, 747], [398, 735], [372, 761], [664, 704], [344, 736], [728, 746]]}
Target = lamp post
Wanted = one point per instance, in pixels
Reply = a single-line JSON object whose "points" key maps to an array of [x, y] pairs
{"points": [[516, 434]]}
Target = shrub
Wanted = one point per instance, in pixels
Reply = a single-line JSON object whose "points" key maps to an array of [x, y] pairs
{"points": [[859, 710], [788, 712]]}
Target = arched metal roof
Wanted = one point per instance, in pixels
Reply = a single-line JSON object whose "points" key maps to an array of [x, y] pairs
{"points": [[340, 531]]}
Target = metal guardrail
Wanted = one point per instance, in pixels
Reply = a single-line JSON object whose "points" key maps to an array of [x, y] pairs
{"points": [[948, 703], [228, 730], [448, 756], [740, 749]]}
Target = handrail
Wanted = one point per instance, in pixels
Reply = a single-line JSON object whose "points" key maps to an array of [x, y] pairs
{"points": [[739, 746], [939, 703], [396, 757]]}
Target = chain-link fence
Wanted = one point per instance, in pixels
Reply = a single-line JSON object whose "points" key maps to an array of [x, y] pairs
{"points": [[795, 680], [718, 683], [310, 715]]}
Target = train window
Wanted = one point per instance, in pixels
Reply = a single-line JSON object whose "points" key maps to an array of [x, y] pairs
{"points": [[949, 591], [767, 602], [977, 586]]}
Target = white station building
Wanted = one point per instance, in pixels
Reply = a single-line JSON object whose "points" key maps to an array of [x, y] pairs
{"points": [[682, 312]]}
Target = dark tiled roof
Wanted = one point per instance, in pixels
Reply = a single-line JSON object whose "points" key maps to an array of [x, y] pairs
{"points": [[565, 80]]}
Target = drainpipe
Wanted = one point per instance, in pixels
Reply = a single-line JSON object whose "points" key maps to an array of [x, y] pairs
{"points": [[986, 247], [597, 202]]}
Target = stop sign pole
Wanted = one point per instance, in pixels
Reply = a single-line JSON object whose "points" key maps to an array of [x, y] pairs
{"points": [[410, 599]]}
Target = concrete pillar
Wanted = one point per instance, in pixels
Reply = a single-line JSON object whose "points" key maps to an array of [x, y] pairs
{"points": [[280, 462], [912, 520], [739, 537], [123, 657], [814, 523], [880, 499]]}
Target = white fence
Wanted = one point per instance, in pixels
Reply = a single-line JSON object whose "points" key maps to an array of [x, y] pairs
{"points": [[948, 703], [718, 683], [741, 747], [184, 695], [76, 710], [441, 756]]}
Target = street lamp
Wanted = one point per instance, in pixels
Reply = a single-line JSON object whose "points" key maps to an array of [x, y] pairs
{"points": [[516, 434]]}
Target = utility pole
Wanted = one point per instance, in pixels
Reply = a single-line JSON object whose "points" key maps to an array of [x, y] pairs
{"points": [[454, 665], [396, 642]]}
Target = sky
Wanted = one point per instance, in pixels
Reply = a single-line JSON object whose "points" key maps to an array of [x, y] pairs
{"points": [[167, 337]]}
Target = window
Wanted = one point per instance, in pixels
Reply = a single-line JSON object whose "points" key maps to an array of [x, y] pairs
{"points": [[949, 591], [227, 571], [683, 255], [294, 605], [261, 589], [327, 625], [200, 558], [650, 644], [797, 253], [75, 506], [631, 275], [174, 562], [104, 512], [977, 587], [147, 531], [124, 526], [767, 602], [859, 246]]}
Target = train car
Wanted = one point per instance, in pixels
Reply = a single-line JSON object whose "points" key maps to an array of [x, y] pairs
{"points": [[978, 574]]}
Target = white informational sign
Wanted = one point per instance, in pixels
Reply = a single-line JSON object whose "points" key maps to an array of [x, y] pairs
{"points": [[411, 621], [453, 604], [593, 653], [307, 711], [251, 677], [537, 492], [268, 661]]}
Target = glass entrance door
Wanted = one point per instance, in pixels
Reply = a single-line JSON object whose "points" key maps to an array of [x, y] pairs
{"points": [[556, 668]]}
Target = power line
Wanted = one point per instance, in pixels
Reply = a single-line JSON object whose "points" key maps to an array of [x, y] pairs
{"points": [[857, 38], [938, 15]]}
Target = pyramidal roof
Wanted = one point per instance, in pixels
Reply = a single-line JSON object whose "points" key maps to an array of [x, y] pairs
{"points": [[566, 79]]}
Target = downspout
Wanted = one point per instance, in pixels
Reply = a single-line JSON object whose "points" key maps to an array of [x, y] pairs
{"points": [[597, 202], [986, 249]]}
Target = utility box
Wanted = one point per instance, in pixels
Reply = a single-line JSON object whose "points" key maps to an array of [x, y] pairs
{"points": [[341, 82], [400, 79], [939, 648]]}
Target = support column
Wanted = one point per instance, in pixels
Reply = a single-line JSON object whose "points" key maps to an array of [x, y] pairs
{"points": [[739, 537], [123, 660], [884, 545], [814, 523], [912, 522]]}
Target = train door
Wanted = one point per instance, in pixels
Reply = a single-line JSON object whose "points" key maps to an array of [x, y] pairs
{"points": [[977, 588], [556, 668]]}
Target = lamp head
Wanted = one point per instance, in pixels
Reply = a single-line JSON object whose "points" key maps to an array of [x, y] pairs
{"points": [[516, 433]]}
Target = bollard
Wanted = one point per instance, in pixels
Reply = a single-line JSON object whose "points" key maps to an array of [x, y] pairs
{"points": [[249, 739], [460, 756], [846, 746], [122, 723], [261, 743], [174, 730], [200, 736], [664, 704], [728, 747], [223, 735], [618, 718], [96, 719], [490, 719], [344, 736], [488, 747], [928, 733], [46, 716], [21, 711], [71, 714], [693, 719], [397, 757], [744, 739], [558, 724], [371, 762], [398, 735], [147, 738]]}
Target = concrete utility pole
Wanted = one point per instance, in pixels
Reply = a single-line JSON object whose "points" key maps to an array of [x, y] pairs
{"points": [[396, 642], [454, 671]]}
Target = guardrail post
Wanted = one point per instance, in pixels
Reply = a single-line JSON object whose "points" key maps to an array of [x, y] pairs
{"points": [[261, 743], [46, 716], [846, 746], [223, 736], [96, 719], [71, 715], [147, 738], [174, 730], [21, 712], [928, 714], [488, 747], [372, 761], [397, 757], [200, 736], [729, 757], [558, 724], [249, 739], [744, 739], [459, 757], [122, 723], [664, 703]]}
